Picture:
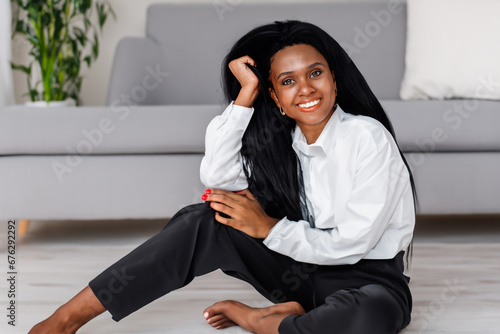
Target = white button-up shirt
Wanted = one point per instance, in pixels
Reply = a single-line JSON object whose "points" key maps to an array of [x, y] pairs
{"points": [[357, 187]]}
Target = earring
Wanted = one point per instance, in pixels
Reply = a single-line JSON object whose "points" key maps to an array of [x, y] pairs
{"points": [[282, 112]]}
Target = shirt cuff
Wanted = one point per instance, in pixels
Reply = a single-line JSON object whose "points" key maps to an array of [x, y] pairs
{"points": [[238, 114], [275, 230]]}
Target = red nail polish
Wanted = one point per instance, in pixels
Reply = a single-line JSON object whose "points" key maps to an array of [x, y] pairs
{"points": [[208, 191], [204, 197]]}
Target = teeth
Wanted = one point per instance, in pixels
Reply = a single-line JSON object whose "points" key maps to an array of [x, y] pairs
{"points": [[309, 104]]}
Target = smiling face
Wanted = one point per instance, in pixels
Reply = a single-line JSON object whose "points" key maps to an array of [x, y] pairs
{"points": [[304, 86]]}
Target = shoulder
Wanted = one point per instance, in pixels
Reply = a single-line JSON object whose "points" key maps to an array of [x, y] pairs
{"points": [[365, 130]]}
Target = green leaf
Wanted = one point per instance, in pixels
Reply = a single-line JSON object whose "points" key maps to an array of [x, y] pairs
{"points": [[21, 68], [88, 60], [101, 14], [102, 20], [78, 84], [95, 46], [110, 9], [60, 76], [33, 93], [86, 23], [58, 24], [21, 27], [46, 19], [86, 5], [74, 46], [78, 5], [34, 53], [80, 36], [33, 39]]}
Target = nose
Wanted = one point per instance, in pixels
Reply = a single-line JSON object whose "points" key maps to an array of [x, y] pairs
{"points": [[306, 88]]}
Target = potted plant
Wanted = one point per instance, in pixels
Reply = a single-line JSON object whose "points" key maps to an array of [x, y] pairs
{"points": [[62, 37]]}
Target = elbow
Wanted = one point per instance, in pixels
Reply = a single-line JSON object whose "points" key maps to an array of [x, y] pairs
{"points": [[215, 181], [209, 180], [231, 179]]}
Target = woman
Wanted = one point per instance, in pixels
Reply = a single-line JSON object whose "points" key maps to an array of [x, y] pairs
{"points": [[309, 200]]}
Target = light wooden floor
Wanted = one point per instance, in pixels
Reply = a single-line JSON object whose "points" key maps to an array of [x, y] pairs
{"points": [[455, 278]]}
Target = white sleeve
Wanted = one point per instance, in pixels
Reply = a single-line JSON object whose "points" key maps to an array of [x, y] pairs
{"points": [[221, 167], [380, 181]]}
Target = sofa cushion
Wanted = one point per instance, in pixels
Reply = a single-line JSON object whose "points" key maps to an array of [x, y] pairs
{"points": [[445, 125], [105, 130], [452, 50]]}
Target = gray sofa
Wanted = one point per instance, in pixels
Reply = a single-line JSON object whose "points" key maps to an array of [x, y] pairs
{"points": [[139, 156]]}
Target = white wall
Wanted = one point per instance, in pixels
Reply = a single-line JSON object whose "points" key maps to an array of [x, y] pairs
{"points": [[6, 91], [131, 15]]}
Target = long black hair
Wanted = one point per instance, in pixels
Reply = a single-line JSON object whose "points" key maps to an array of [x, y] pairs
{"points": [[270, 163]]}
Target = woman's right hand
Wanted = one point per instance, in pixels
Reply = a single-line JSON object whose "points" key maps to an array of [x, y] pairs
{"points": [[247, 79]]}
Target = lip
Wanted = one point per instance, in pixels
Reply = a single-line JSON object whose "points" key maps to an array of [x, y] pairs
{"points": [[310, 109]]}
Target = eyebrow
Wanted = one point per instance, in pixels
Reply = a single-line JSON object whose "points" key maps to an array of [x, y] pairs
{"points": [[308, 67]]}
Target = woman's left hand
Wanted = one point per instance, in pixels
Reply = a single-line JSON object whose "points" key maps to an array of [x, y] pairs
{"points": [[247, 215]]}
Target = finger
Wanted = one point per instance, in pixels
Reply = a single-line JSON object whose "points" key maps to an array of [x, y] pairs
{"points": [[248, 60], [226, 197], [249, 194], [223, 220], [223, 208], [241, 64], [219, 207], [246, 193], [219, 192]]}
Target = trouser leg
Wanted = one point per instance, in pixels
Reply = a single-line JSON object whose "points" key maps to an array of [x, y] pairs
{"points": [[190, 245], [370, 309]]}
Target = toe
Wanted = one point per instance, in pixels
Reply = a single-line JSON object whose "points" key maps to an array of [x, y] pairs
{"points": [[226, 324], [215, 319], [217, 308]]}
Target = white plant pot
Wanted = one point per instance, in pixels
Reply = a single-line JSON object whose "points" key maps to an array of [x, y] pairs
{"points": [[52, 104]]}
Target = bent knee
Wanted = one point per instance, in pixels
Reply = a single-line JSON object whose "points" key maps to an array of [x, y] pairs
{"points": [[193, 214], [369, 309]]}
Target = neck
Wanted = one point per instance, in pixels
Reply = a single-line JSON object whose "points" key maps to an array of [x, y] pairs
{"points": [[312, 132]]}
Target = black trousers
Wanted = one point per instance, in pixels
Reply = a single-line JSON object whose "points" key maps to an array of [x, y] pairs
{"points": [[371, 296]]}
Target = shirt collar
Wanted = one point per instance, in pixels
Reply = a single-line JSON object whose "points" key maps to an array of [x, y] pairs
{"points": [[325, 141]]}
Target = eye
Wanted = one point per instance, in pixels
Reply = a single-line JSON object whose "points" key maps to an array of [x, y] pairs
{"points": [[287, 82], [316, 73]]}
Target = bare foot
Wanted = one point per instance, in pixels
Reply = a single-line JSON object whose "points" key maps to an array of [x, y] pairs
{"points": [[54, 324], [68, 318], [230, 313]]}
